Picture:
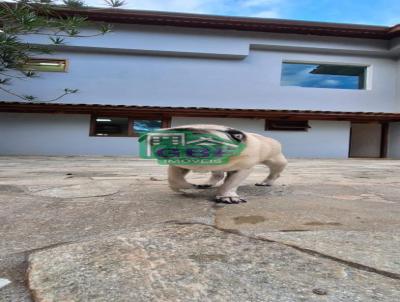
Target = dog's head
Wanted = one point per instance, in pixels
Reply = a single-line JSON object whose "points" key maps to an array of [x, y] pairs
{"points": [[222, 131]]}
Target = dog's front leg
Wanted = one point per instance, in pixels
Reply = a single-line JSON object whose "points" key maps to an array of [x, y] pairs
{"points": [[227, 192], [276, 165], [176, 178]]}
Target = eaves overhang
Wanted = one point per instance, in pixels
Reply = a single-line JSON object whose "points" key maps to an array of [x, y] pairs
{"points": [[235, 23], [132, 110]]}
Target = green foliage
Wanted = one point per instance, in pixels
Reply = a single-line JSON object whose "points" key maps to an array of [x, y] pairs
{"points": [[105, 28], [115, 3], [74, 3], [57, 40], [37, 17]]}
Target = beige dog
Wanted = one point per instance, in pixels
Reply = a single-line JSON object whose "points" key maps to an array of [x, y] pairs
{"points": [[258, 150]]}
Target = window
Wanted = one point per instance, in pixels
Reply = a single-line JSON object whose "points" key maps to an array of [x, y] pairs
{"points": [[146, 125], [111, 126], [114, 126], [46, 65], [323, 75], [284, 125]]}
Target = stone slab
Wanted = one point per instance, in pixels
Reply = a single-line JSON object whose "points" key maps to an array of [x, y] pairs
{"points": [[379, 250], [13, 270], [196, 263], [89, 189], [311, 195], [350, 211]]}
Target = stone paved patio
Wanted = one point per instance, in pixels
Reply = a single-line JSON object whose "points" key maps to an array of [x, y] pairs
{"points": [[109, 229]]}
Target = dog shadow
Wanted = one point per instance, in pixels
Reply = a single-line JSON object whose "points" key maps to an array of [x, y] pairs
{"points": [[246, 191]]}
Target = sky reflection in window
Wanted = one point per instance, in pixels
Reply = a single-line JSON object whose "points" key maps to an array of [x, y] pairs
{"points": [[323, 76], [146, 125]]}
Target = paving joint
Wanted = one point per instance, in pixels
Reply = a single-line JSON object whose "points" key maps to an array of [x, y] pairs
{"points": [[300, 249]]}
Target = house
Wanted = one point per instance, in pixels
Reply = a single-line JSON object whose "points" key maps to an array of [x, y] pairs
{"points": [[324, 90]]}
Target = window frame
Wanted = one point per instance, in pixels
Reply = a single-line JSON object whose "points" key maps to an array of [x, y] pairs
{"points": [[66, 64], [165, 123], [269, 125], [367, 83]]}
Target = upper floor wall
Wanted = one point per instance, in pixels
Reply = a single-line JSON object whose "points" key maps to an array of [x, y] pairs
{"points": [[167, 40], [166, 66]]}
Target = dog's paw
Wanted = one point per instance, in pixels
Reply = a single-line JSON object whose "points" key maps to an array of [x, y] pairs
{"points": [[202, 186], [175, 189], [229, 200], [263, 184]]}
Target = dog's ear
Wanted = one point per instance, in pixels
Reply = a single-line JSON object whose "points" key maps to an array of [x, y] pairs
{"points": [[237, 135]]}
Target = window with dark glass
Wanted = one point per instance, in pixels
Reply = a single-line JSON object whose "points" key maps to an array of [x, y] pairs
{"points": [[323, 75], [123, 126], [284, 125]]}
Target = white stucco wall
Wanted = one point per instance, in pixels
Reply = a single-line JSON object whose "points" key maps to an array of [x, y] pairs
{"points": [[56, 134], [169, 66], [214, 42], [325, 139], [394, 141], [175, 81]]}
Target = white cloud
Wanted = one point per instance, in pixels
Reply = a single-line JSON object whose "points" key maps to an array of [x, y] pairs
{"points": [[331, 82], [168, 5], [161, 5], [254, 8], [266, 14]]}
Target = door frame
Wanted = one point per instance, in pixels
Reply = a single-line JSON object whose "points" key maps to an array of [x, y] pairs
{"points": [[384, 139], [383, 142]]}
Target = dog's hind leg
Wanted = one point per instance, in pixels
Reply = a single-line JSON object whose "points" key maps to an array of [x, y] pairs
{"points": [[176, 179], [227, 192], [216, 177], [276, 165]]}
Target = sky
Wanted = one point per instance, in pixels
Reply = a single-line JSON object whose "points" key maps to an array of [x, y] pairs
{"points": [[302, 75], [373, 12]]}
